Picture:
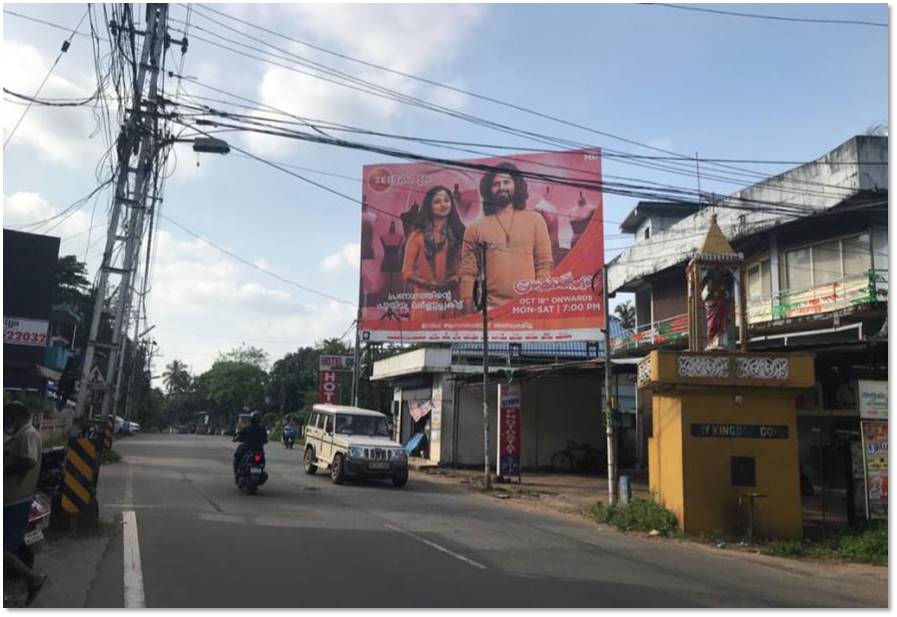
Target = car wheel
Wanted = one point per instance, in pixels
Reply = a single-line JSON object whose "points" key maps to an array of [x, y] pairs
{"points": [[337, 473], [400, 479], [309, 461]]}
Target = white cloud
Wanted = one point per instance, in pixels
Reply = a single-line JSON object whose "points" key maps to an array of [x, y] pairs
{"points": [[60, 135], [213, 304], [420, 40], [409, 38], [348, 256], [23, 208]]}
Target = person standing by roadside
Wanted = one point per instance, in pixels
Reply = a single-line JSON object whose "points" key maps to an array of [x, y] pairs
{"points": [[22, 450]]}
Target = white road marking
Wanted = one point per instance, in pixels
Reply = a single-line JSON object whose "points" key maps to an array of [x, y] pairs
{"points": [[134, 597], [129, 485], [438, 547]]}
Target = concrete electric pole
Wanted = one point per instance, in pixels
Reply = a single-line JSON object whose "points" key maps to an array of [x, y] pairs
{"points": [[484, 298], [608, 402], [139, 137]]}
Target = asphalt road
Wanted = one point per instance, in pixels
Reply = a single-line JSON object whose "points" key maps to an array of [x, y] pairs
{"points": [[303, 542]]}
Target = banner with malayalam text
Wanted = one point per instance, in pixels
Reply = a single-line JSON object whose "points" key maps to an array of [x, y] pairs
{"points": [[425, 227]]}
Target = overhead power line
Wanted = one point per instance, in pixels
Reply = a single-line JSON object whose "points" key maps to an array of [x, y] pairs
{"points": [[44, 22], [246, 262], [632, 190], [679, 164], [849, 22], [65, 47]]}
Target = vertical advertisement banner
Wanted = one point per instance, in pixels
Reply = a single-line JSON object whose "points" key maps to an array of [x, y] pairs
{"points": [[509, 430], [328, 388], [328, 367], [875, 455], [539, 218]]}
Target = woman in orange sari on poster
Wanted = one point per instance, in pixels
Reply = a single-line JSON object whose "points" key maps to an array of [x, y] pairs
{"points": [[433, 257]]}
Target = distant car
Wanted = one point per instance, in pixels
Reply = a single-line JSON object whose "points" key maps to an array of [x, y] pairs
{"points": [[353, 443], [184, 429]]}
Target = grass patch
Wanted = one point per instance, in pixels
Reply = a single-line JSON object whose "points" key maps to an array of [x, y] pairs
{"points": [[868, 546], [638, 515], [110, 456]]}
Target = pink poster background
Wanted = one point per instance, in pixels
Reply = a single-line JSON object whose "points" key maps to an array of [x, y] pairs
{"points": [[563, 307]]}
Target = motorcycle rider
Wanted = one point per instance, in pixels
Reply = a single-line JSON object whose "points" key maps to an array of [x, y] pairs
{"points": [[22, 451], [253, 438], [289, 429]]}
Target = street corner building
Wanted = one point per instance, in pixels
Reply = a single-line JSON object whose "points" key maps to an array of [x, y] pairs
{"points": [[814, 247]]}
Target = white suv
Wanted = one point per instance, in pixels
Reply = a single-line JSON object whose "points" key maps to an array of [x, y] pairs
{"points": [[353, 442]]}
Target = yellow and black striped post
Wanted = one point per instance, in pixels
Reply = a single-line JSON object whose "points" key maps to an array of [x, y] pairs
{"points": [[79, 478], [110, 428]]}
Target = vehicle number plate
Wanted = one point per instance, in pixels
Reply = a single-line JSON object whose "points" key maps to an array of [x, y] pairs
{"points": [[255, 470], [33, 536], [379, 465]]}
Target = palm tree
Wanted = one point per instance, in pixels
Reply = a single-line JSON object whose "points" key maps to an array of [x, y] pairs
{"points": [[176, 377], [625, 311]]}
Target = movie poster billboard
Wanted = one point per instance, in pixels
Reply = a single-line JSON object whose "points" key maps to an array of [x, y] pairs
{"points": [[425, 226]]}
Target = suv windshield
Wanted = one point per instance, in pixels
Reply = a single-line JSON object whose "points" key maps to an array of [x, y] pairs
{"points": [[372, 426]]}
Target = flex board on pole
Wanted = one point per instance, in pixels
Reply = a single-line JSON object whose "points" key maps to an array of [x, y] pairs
{"points": [[509, 405]]}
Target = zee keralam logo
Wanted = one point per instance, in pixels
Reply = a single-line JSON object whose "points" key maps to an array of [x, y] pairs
{"points": [[381, 178]]}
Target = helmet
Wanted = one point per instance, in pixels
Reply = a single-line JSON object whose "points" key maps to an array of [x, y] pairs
{"points": [[255, 417]]}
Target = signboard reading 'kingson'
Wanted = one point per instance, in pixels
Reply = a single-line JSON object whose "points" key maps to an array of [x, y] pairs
{"points": [[539, 217]]}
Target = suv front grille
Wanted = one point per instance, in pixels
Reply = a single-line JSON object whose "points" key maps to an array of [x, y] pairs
{"points": [[377, 454]]}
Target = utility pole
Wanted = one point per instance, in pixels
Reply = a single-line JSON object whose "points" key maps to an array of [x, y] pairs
{"points": [[139, 136], [484, 297], [356, 365], [608, 403]]}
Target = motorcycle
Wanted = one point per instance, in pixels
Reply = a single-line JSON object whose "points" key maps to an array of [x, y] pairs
{"points": [[15, 588], [251, 472], [289, 438]]}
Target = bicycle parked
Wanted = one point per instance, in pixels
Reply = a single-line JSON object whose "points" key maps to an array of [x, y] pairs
{"points": [[578, 458]]}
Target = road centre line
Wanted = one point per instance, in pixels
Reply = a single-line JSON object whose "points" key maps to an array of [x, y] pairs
{"points": [[134, 596], [438, 547]]}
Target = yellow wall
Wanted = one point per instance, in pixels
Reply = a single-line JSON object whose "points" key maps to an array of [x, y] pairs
{"points": [[711, 500], [691, 476], [665, 460]]}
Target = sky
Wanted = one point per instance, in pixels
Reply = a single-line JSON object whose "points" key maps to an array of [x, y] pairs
{"points": [[689, 82]]}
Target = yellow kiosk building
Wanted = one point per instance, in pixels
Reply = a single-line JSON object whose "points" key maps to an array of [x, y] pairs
{"points": [[723, 452]]}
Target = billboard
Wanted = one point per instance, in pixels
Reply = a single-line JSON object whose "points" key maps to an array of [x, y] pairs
{"points": [[29, 281], [425, 227]]}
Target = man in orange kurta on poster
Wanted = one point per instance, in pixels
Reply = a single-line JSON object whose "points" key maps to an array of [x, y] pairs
{"points": [[519, 246]]}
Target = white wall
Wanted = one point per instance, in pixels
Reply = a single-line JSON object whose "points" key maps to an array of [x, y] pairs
{"points": [[555, 411]]}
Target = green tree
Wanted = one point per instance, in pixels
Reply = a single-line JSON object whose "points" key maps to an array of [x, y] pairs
{"points": [[72, 284], [176, 377], [625, 311], [233, 385], [74, 291], [246, 355], [290, 378]]}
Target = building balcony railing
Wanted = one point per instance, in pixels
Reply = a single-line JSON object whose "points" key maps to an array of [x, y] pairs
{"points": [[871, 286], [665, 331], [837, 295]]}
